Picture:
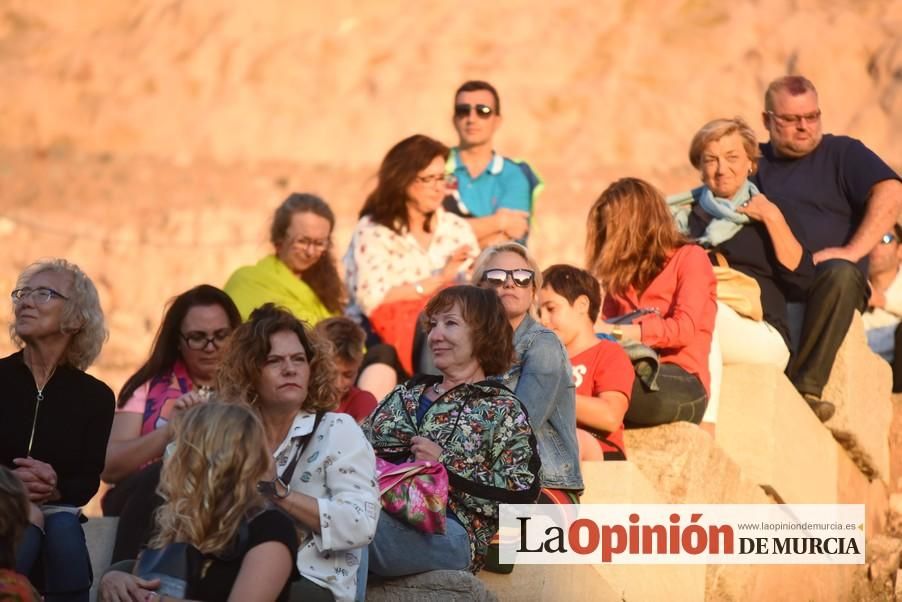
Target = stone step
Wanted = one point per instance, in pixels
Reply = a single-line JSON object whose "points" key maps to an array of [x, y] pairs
{"points": [[766, 427], [860, 386]]}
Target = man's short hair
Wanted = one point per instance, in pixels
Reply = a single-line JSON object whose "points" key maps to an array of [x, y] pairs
{"points": [[794, 84], [474, 85], [570, 282], [346, 336]]}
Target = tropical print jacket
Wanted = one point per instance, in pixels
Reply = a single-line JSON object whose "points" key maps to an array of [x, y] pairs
{"points": [[489, 449]]}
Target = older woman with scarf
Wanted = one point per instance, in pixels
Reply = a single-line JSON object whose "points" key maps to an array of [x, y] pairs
{"points": [[728, 216]]}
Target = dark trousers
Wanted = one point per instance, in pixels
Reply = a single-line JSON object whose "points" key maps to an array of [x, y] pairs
{"points": [[57, 561], [680, 397], [134, 501], [839, 289], [897, 361]]}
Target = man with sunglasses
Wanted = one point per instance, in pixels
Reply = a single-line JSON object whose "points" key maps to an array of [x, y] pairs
{"points": [[495, 193], [846, 199]]}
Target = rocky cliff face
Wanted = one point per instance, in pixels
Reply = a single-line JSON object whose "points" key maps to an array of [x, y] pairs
{"points": [[149, 141]]}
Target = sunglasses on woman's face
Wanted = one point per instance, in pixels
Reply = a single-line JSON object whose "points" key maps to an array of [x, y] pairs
{"points": [[497, 277], [463, 110]]}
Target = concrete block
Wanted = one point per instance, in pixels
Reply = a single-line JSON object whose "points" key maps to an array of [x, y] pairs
{"points": [[434, 586], [100, 535], [686, 466], [768, 429], [895, 446], [860, 386], [541, 582], [624, 483]]}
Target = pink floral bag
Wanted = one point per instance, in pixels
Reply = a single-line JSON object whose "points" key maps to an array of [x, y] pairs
{"points": [[415, 492]]}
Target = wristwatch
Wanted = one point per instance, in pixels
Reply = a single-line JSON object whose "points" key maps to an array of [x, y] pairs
{"points": [[270, 490], [617, 333]]}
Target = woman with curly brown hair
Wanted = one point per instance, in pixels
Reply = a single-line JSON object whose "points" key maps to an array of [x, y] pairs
{"points": [[301, 275], [325, 468], [646, 266], [209, 483]]}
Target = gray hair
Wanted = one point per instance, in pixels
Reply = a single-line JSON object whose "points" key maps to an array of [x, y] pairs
{"points": [[82, 315]]}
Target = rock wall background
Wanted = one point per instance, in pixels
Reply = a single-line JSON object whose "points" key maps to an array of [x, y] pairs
{"points": [[149, 141]]}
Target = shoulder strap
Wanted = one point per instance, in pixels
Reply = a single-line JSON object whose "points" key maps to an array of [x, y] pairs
{"points": [[286, 475]]}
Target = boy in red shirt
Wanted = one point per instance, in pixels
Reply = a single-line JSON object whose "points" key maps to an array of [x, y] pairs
{"points": [[569, 303], [348, 339]]}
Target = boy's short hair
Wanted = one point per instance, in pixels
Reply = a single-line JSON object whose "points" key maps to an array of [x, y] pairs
{"points": [[570, 282], [346, 336]]}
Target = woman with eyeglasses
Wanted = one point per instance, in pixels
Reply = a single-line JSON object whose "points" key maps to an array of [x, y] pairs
{"points": [[643, 263], [541, 377], [728, 216], [301, 274], [55, 421], [179, 373], [405, 246]]}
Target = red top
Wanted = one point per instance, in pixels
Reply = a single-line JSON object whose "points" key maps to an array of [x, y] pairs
{"points": [[604, 367], [685, 294], [358, 403]]}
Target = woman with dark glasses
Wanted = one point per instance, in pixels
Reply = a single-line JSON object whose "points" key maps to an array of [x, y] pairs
{"points": [[54, 421], [178, 374], [541, 377]]}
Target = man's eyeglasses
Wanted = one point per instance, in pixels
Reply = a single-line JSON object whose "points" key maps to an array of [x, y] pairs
{"points": [[319, 245], [497, 277], [796, 119], [41, 294], [888, 238], [198, 340], [463, 110], [439, 178]]}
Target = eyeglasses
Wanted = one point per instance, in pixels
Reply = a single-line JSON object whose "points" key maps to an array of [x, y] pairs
{"points": [[463, 110], [796, 119], [439, 178], [498, 277], [318, 245], [198, 340], [888, 238], [41, 294]]}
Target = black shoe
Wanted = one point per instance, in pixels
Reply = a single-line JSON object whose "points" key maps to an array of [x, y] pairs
{"points": [[824, 410]]}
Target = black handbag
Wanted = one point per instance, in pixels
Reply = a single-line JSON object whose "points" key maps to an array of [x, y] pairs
{"points": [[178, 566]]}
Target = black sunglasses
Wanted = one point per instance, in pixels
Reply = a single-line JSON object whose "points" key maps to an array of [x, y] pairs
{"points": [[497, 277], [463, 110]]}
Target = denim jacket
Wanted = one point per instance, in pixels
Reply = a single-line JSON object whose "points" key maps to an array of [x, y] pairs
{"points": [[541, 379]]}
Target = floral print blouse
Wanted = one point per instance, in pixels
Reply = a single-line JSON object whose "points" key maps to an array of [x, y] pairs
{"points": [[379, 259], [489, 449]]}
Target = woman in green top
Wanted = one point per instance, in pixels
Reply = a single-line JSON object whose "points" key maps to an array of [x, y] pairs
{"points": [[301, 275]]}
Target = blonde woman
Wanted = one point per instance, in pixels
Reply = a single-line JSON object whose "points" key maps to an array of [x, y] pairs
{"points": [[210, 487]]}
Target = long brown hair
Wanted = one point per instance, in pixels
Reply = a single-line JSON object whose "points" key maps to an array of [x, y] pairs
{"points": [[387, 204], [323, 275], [631, 234]]}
